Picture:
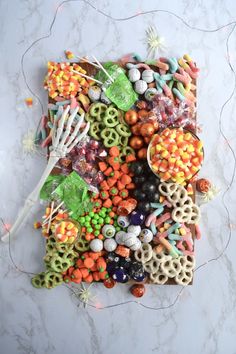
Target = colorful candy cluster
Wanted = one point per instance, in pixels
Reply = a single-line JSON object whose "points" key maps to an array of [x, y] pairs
{"points": [[119, 210]]}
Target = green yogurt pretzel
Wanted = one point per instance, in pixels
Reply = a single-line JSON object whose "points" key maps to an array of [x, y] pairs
{"points": [[97, 110], [38, 281], [53, 279], [59, 264], [95, 130], [70, 255], [125, 151], [64, 247], [123, 141], [111, 118], [81, 244], [123, 130], [110, 137]]}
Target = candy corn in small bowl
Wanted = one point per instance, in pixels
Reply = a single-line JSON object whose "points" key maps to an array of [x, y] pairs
{"points": [[175, 155]]}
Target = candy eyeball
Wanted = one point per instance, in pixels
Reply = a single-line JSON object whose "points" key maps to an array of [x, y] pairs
{"points": [[96, 245], [108, 231], [120, 237], [104, 98], [134, 75], [123, 221], [146, 235], [110, 244], [134, 229], [94, 93]]}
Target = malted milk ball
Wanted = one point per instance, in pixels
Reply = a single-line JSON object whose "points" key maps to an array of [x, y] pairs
{"points": [[134, 75], [110, 244], [136, 246], [140, 86], [134, 229], [96, 245], [147, 76]]}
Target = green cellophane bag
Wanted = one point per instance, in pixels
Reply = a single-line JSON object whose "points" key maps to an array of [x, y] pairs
{"points": [[120, 92]]}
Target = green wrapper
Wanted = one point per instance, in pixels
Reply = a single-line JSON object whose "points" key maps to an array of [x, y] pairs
{"points": [[52, 182]]}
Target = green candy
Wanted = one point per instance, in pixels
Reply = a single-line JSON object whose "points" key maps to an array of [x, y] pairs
{"points": [[94, 221], [96, 217], [100, 221], [107, 220], [96, 233], [92, 214], [87, 218], [82, 220], [123, 130], [97, 227], [90, 229], [87, 224]]}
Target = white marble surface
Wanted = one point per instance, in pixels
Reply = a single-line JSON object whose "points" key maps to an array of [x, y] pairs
{"points": [[31, 321]]}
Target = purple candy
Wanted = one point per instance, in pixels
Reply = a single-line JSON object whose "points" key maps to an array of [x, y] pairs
{"points": [[120, 275], [137, 218]]}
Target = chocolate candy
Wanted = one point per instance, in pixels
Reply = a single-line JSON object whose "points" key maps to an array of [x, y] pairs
{"points": [[137, 290], [109, 283], [136, 271], [120, 275], [137, 218]]}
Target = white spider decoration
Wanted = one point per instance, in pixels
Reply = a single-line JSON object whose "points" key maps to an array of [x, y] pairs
{"points": [[210, 194], [29, 142], [84, 294], [154, 42]]}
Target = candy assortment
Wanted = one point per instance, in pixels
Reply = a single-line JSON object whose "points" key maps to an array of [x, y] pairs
{"points": [[121, 205]]}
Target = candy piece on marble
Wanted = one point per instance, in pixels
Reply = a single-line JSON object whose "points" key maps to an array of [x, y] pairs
{"points": [[69, 54], [29, 102], [109, 283], [137, 290]]}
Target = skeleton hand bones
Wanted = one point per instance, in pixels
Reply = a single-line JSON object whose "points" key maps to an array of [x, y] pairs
{"points": [[63, 141]]}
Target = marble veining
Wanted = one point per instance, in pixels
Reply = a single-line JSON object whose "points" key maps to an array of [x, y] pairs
{"points": [[31, 321]]}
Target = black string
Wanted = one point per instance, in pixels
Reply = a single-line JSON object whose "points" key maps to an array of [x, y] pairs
{"points": [[219, 122]]}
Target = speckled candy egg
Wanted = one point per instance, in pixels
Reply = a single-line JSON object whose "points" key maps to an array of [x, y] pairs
{"points": [[134, 229], [96, 245], [120, 237], [140, 86], [146, 236], [137, 245], [110, 244], [130, 239], [137, 218], [150, 93], [94, 93], [134, 75], [123, 221], [147, 76]]}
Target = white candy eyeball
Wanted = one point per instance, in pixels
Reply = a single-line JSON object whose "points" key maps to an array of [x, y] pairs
{"points": [[110, 244], [140, 86], [146, 236], [130, 239], [134, 229], [136, 246], [123, 221], [134, 75], [147, 76], [96, 245], [108, 231], [94, 93], [120, 237]]}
